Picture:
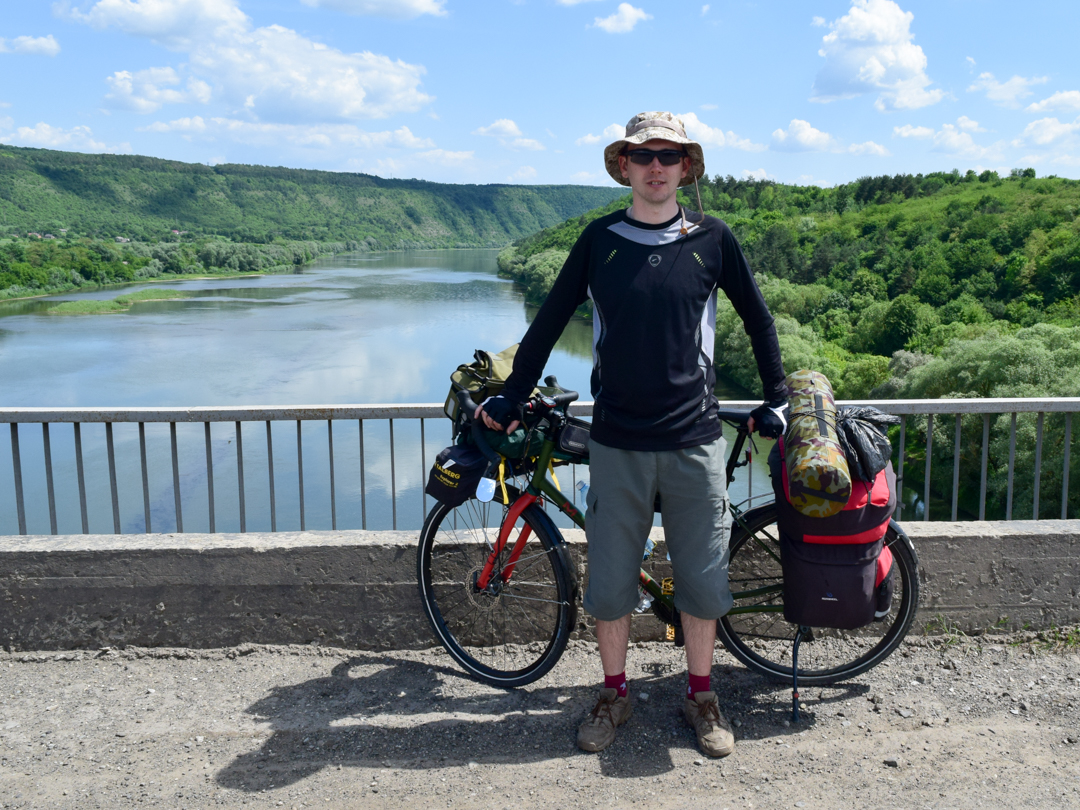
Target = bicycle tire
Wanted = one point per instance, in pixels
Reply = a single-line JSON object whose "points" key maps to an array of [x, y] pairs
{"points": [[510, 634], [763, 641]]}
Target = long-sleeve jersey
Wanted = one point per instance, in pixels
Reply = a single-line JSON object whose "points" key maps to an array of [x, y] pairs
{"points": [[654, 319]]}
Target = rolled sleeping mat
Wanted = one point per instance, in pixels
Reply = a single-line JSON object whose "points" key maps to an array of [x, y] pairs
{"points": [[818, 477]]}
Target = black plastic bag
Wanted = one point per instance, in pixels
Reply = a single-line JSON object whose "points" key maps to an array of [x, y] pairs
{"points": [[863, 438]]}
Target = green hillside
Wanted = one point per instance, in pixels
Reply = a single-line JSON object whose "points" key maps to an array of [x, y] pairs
{"points": [[923, 286], [145, 199]]}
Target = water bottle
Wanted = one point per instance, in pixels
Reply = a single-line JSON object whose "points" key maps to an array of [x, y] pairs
{"points": [[649, 547], [583, 490], [645, 600]]}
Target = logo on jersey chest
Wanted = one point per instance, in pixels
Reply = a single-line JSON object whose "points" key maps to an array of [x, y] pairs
{"points": [[654, 259]]}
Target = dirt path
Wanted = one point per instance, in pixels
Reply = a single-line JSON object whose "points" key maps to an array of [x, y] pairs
{"points": [[990, 723]]}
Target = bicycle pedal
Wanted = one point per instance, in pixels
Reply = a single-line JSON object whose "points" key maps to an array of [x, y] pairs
{"points": [[669, 633]]}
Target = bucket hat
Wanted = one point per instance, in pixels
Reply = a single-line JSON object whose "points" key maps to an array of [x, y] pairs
{"points": [[646, 126]]}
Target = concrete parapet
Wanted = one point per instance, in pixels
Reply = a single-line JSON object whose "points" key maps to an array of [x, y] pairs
{"points": [[358, 589]]}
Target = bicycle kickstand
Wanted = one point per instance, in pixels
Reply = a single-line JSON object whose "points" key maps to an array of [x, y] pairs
{"points": [[795, 673]]}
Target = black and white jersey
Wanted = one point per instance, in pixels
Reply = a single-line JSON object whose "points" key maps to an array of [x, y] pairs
{"points": [[654, 318]]}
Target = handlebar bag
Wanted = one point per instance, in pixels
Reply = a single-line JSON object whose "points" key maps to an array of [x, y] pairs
{"points": [[837, 571], [573, 437], [456, 472]]}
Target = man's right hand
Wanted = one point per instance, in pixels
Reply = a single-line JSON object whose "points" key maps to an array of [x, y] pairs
{"points": [[498, 411]]}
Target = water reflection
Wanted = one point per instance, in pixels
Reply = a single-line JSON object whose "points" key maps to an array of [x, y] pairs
{"points": [[357, 329]]}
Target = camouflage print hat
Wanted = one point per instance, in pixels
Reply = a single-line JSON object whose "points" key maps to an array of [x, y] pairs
{"points": [[646, 126]]}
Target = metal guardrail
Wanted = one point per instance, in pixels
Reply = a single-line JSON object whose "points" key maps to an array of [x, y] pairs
{"points": [[346, 415]]}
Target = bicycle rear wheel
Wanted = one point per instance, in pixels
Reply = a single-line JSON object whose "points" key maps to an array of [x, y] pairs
{"points": [[762, 639], [512, 632]]}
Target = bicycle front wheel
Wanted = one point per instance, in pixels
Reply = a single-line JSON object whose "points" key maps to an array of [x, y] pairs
{"points": [[757, 634], [514, 631]]}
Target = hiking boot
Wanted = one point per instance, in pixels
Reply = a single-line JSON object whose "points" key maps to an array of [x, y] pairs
{"points": [[598, 730], [714, 735]]}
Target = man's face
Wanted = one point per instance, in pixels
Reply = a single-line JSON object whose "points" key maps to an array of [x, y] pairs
{"points": [[654, 183]]}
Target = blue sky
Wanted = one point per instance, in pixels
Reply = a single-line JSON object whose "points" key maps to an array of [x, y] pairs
{"points": [[529, 91]]}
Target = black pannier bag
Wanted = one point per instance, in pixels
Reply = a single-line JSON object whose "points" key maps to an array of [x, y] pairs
{"points": [[837, 571], [456, 472]]}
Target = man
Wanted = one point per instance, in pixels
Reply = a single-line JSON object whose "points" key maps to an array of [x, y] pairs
{"points": [[652, 272]]}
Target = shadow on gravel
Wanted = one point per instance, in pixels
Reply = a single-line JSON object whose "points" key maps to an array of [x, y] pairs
{"points": [[384, 711]]}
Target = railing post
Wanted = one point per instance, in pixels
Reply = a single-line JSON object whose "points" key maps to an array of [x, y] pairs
{"points": [[240, 476], [900, 471], [1038, 464], [47, 447], [926, 482], [393, 477], [145, 477], [985, 461], [112, 478], [209, 477], [176, 479], [1065, 471], [300, 470], [333, 501], [956, 470], [423, 474], [363, 488], [82, 478], [1012, 462], [270, 468], [16, 464]]}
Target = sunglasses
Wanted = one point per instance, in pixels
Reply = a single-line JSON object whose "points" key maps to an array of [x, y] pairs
{"points": [[644, 157]]}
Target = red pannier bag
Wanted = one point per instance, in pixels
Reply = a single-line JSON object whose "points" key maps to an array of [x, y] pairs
{"points": [[837, 570]]}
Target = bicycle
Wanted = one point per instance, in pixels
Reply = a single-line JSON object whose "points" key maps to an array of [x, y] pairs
{"points": [[503, 605]]}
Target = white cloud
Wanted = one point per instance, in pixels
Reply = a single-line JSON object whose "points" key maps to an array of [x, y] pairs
{"points": [[397, 9], [586, 177], [818, 22], [318, 136], [41, 46], [801, 137], [1068, 100], [614, 131], [1009, 93], [870, 49], [79, 139], [588, 140], [908, 131], [502, 128], [146, 90], [756, 174], [273, 72], [705, 9], [1047, 130], [971, 61], [868, 148], [706, 135], [954, 140], [968, 125], [710, 106], [527, 143], [623, 20], [524, 173]]}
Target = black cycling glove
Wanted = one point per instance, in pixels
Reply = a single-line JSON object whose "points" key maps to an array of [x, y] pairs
{"points": [[769, 419], [502, 410]]}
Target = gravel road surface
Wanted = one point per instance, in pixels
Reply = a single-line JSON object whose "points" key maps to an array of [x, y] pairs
{"points": [[948, 722]]}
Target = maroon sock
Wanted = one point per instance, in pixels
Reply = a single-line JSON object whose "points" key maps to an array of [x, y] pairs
{"points": [[616, 682], [698, 683]]}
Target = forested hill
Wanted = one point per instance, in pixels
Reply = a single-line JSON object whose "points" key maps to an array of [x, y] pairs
{"points": [[144, 199], [922, 286]]}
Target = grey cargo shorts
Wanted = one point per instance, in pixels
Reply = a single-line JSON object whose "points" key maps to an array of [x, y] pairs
{"points": [[693, 501]]}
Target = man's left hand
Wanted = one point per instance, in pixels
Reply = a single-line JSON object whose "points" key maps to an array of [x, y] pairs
{"points": [[769, 419]]}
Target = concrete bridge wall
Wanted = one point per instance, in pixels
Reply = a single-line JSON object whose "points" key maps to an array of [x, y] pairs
{"points": [[358, 589]]}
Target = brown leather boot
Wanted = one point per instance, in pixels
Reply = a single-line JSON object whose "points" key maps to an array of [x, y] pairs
{"points": [[714, 735], [610, 712]]}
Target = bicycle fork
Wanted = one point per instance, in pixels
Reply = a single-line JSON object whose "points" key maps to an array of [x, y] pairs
{"points": [[522, 503]]}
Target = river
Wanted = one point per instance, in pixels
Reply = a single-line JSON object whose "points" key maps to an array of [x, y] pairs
{"points": [[353, 329]]}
